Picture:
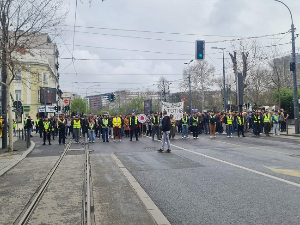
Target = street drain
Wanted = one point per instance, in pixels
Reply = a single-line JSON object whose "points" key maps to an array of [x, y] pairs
{"points": [[149, 148]]}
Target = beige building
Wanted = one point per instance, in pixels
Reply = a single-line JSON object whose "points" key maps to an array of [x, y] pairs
{"points": [[32, 73]]}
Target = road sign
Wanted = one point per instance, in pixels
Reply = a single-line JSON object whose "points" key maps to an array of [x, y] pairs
{"points": [[133, 111], [49, 109], [183, 99], [66, 101], [142, 118]]}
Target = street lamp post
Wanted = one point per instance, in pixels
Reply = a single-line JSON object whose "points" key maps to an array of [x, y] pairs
{"points": [[296, 107], [224, 87], [191, 107]]}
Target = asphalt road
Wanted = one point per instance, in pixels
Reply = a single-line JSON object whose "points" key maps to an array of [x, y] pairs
{"points": [[204, 181], [217, 181]]}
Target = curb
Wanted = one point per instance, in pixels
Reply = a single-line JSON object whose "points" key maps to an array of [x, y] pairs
{"points": [[17, 159], [152, 209]]}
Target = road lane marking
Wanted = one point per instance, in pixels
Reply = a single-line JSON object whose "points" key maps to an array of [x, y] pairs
{"points": [[294, 173], [240, 167], [153, 210]]}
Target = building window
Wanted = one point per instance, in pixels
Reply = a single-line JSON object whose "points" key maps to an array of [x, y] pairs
{"points": [[45, 78], [18, 95], [18, 75], [39, 96]]}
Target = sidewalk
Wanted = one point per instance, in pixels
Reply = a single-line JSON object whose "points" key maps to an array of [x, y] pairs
{"points": [[10, 159]]}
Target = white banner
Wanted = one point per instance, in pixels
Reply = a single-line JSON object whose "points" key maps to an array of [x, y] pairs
{"points": [[176, 109]]}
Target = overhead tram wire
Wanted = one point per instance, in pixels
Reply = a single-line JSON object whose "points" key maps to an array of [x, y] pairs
{"points": [[191, 42], [74, 32], [157, 32]]}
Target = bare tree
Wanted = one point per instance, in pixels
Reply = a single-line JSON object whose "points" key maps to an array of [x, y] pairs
{"points": [[21, 24], [202, 75]]}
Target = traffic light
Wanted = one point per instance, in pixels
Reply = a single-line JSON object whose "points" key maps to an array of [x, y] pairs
{"points": [[56, 109], [292, 66], [67, 108], [200, 49], [112, 97]]}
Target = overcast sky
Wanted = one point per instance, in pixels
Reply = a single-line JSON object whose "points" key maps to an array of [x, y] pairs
{"points": [[104, 28]]}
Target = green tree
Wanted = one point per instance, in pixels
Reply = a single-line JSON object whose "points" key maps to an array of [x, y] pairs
{"points": [[80, 104], [286, 100]]}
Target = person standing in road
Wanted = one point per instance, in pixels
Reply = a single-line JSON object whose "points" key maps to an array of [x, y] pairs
{"points": [[276, 121], [117, 123], [166, 125], [283, 119], [241, 124], [47, 128], [267, 123], [91, 130], [133, 123], [155, 126], [229, 120], [37, 125], [257, 121], [212, 125], [68, 126], [105, 129], [41, 122], [185, 126], [61, 123], [76, 129], [194, 126], [173, 127], [28, 125]]}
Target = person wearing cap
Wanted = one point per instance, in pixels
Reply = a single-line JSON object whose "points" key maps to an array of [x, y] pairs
{"points": [[166, 126], [155, 126]]}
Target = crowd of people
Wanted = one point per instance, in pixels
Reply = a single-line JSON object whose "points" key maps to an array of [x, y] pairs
{"points": [[117, 127]]}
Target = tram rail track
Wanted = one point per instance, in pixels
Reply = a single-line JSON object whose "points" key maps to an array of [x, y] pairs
{"points": [[87, 214]]}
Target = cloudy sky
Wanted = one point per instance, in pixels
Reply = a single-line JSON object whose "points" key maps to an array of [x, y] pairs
{"points": [[130, 44]]}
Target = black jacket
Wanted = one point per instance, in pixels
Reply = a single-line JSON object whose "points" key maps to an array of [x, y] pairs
{"points": [[166, 123]]}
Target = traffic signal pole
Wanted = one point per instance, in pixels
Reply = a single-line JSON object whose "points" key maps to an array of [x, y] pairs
{"points": [[295, 91]]}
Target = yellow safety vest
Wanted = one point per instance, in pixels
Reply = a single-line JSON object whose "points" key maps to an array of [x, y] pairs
{"points": [[153, 124], [117, 122], [46, 125], [240, 120], [195, 121], [186, 119], [256, 119], [105, 122], [76, 124], [276, 118], [229, 120], [136, 121], [91, 126], [212, 118], [267, 118], [15, 124]]}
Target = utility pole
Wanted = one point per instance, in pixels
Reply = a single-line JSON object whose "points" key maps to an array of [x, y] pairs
{"points": [[224, 87], [191, 106], [296, 106]]}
